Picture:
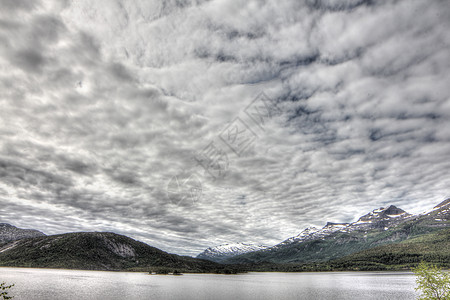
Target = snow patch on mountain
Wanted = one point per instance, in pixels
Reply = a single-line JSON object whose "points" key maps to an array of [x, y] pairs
{"points": [[307, 234]]}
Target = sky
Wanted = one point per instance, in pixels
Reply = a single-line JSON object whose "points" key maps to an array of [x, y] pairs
{"points": [[187, 124]]}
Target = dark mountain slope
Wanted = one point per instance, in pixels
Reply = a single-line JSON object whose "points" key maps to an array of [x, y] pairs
{"points": [[433, 247], [96, 251]]}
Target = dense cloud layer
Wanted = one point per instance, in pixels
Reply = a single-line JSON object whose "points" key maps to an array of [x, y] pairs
{"points": [[104, 102]]}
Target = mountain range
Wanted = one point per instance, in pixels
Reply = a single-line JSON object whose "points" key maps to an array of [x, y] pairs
{"points": [[385, 238], [336, 240]]}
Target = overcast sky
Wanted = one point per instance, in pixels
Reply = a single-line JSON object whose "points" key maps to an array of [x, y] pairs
{"points": [[188, 124]]}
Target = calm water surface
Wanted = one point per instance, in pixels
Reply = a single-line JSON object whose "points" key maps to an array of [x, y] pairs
{"points": [[71, 284]]}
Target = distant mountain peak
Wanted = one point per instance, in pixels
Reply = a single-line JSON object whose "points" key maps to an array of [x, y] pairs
{"points": [[305, 234], [383, 213], [224, 251], [393, 210], [310, 229]]}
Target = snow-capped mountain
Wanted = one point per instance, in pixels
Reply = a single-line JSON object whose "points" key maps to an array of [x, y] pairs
{"points": [[378, 218], [378, 227], [307, 234], [11, 233], [312, 233], [222, 252], [381, 218]]}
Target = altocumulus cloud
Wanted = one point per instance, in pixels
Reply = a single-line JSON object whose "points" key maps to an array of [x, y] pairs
{"points": [[103, 102]]}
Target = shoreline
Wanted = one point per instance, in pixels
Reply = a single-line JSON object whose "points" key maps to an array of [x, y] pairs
{"points": [[212, 273]]}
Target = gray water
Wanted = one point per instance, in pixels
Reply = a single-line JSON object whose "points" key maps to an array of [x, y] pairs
{"points": [[70, 284]]}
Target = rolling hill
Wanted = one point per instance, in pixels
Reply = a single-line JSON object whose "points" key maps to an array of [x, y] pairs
{"points": [[97, 251]]}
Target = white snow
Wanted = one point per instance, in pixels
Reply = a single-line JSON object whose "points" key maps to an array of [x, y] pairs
{"points": [[232, 249], [395, 216]]}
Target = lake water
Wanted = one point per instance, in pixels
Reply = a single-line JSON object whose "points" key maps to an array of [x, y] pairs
{"points": [[71, 284]]}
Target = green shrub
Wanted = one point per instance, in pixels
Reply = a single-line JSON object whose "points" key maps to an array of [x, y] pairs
{"points": [[4, 291], [432, 282]]}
